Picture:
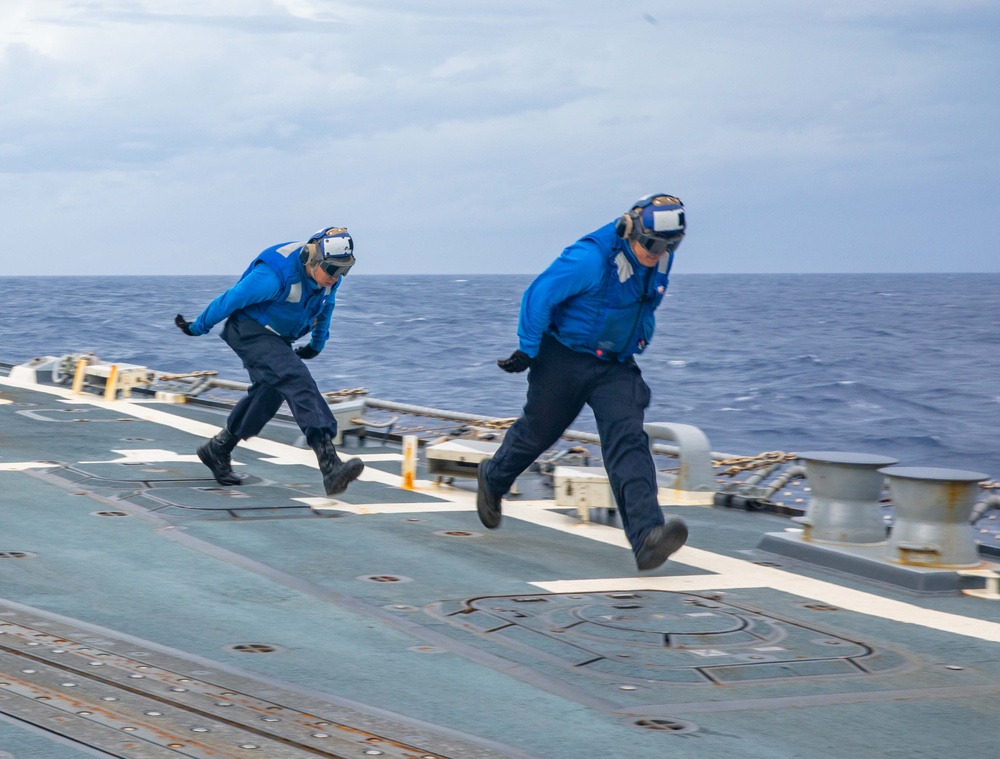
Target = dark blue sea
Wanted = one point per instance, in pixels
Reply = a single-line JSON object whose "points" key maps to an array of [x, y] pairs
{"points": [[904, 365]]}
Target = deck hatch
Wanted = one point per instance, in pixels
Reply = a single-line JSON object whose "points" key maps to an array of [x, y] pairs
{"points": [[665, 636], [184, 490]]}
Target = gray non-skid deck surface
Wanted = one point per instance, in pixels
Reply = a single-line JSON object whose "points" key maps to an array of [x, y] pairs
{"points": [[426, 618]]}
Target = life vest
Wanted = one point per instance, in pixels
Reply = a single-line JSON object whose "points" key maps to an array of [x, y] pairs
{"points": [[294, 312], [616, 320], [631, 295]]}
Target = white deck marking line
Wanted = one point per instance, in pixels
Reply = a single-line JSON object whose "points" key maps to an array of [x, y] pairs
{"points": [[281, 452], [20, 466], [149, 456], [368, 458], [631, 584], [378, 508], [727, 569], [737, 573], [382, 456]]}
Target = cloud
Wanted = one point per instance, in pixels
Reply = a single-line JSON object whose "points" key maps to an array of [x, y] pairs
{"points": [[457, 137]]}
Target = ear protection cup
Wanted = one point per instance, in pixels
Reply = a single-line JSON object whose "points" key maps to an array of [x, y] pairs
{"points": [[625, 225], [310, 252]]}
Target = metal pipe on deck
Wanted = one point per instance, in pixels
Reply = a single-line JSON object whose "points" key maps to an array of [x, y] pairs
{"points": [[456, 416], [780, 481], [987, 503], [409, 408]]}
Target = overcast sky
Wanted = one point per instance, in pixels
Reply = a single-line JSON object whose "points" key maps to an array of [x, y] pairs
{"points": [[483, 136]]}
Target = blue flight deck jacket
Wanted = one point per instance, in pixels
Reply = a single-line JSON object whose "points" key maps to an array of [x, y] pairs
{"points": [[595, 298], [276, 291]]}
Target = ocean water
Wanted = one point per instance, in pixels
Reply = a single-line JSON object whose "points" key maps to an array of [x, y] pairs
{"points": [[904, 365]]}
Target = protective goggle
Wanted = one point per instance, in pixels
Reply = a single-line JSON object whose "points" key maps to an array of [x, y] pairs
{"points": [[656, 245], [337, 266]]}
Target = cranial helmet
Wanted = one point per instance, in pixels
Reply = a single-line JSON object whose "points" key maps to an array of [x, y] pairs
{"points": [[656, 222], [332, 248]]}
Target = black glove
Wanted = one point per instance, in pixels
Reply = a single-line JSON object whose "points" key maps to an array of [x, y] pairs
{"points": [[184, 325], [306, 352], [517, 362]]}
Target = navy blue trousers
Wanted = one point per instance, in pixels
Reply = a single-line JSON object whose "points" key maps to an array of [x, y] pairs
{"points": [[560, 382], [276, 375]]}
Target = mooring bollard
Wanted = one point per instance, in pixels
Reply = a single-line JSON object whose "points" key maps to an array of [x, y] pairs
{"points": [[932, 510], [844, 507]]}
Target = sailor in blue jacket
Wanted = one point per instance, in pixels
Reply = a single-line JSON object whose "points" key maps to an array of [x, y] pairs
{"points": [[285, 293], [582, 322]]}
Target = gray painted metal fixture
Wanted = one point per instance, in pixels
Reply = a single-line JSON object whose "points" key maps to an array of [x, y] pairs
{"points": [[696, 473], [844, 506], [932, 510]]}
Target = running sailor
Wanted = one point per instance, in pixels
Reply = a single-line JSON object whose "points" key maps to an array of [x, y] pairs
{"points": [[287, 291], [582, 322]]}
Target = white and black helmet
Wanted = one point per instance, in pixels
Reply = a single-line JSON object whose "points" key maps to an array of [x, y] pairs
{"points": [[332, 248], [656, 222]]}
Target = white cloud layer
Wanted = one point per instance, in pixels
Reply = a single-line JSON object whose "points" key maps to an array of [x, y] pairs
{"points": [[453, 136]]}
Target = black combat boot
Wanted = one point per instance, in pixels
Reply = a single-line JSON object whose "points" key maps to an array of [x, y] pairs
{"points": [[487, 502], [215, 454], [660, 543], [337, 474]]}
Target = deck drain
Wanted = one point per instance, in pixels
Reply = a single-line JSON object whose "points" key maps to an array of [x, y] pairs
{"points": [[385, 578], [17, 555], [137, 439], [458, 534], [254, 648], [666, 724], [109, 513]]}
